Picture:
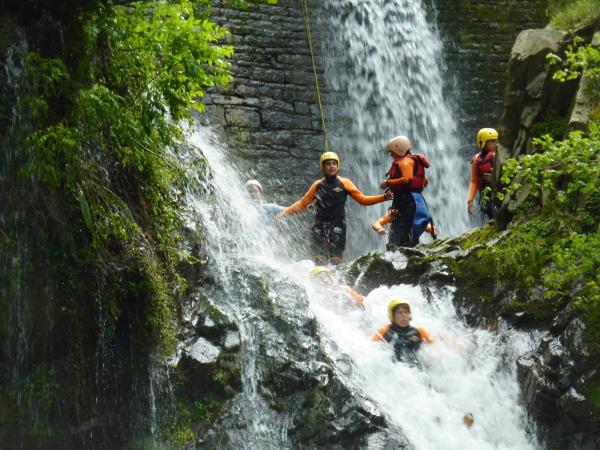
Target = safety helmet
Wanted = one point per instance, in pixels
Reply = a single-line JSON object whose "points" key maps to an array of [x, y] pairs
{"points": [[392, 306], [327, 156], [484, 135], [254, 183], [317, 270], [399, 145]]}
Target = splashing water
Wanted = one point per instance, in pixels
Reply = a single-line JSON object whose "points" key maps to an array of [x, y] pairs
{"points": [[469, 371], [384, 66]]}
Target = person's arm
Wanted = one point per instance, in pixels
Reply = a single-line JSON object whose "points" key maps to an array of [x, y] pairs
{"points": [[424, 335], [381, 333], [473, 186], [378, 224], [303, 203], [361, 198], [352, 294], [407, 166]]}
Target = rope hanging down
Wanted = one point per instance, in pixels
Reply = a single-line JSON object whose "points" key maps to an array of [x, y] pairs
{"points": [[312, 57]]}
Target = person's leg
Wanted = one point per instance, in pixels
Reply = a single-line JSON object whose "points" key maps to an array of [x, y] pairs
{"points": [[407, 215], [338, 240], [318, 246]]}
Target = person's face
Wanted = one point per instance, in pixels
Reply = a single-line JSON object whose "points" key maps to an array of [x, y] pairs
{"points": [[402, 317], [255, 193], [330, 168], [490, 146], [394, 150]]}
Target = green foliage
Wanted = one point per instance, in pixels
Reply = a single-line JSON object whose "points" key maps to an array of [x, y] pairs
{"points": [[579, 59], [563, 174], [105, 134], [554, 240], [571, 14], [552, 124]]}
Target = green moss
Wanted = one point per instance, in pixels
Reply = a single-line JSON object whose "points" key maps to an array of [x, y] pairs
{"points": [[552, 124], [593, 395], [569, 14]]}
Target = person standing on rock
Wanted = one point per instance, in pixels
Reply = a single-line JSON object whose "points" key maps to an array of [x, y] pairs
{"points": [[400, 334], [267, 210], [482, 166], [329, 196], [406, 180]]}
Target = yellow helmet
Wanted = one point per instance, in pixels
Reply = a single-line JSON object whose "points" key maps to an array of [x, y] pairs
{"points": [[393, 304], [317, 270], [327, 156], [484, 135]]}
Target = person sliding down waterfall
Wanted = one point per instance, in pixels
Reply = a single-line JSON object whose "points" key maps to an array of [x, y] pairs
{"points": [[481, 172], [404, 338], [324, 277], [409, 213], [329, 195]]}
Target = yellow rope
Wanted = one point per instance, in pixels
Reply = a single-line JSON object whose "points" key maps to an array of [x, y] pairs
{"points": [[312, 57]]}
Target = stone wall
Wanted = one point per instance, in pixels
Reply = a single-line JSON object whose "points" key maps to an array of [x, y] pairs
{"points": [[478, 37], [269, 115]]}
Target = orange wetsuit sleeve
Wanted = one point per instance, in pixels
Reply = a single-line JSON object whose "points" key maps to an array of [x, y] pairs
{"points": [[303, 203], [358, 298], [381, 333], [424, 335], [361, 198], [474, 184], [407, 167], [378, 224]]}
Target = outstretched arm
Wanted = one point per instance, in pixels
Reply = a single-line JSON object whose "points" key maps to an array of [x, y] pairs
{"points": [[361, 198], [303, 203]]}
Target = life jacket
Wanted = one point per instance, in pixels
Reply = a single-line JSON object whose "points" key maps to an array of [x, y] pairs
{"points": [[331, 199], [485, 164], [405, 340], [418, 179]]}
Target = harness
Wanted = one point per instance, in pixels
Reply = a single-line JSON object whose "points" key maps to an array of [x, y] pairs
{"points": [[485, 164], [418, 178]]}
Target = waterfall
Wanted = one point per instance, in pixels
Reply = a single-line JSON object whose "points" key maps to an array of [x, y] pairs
{"points": [[464, 370], [384, 72]]}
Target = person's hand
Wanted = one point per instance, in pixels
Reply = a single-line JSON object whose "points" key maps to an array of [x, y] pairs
{"points": [[470, 208], [381, 231], [383, 184], [388, 195], [280, 216]]}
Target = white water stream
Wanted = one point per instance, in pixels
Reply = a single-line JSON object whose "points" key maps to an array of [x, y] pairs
{"points": [[469, 371], [383, 60]]}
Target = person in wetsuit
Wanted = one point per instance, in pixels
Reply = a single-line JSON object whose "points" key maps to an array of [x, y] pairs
{"points": [[482, 167], [406, 180], [266, 210], [400, 334], [329, 196]]}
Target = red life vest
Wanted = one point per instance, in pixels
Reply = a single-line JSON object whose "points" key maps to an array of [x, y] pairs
{"points": [[418, 179], [485, 164]]}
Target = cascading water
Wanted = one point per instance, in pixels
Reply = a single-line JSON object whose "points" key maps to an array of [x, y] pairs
{"points": [[384, 68], [465, 370]]}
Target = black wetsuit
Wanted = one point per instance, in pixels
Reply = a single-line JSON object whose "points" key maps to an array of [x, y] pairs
{"points": [[406, 342], [329, 230]]}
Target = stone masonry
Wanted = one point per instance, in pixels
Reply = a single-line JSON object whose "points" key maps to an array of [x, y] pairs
{"points": [[269, 114]]}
